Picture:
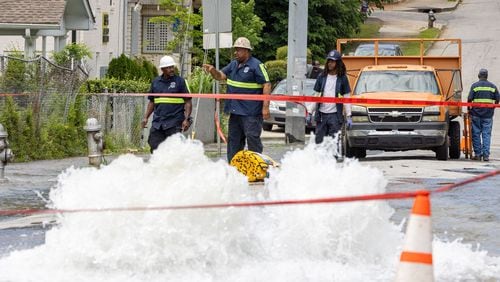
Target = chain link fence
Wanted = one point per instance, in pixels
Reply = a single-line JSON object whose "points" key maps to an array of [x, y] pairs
{"points": [[49, 90], [46, 100], [120, 116]]}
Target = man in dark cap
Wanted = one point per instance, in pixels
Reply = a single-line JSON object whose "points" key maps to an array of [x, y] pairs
{"points": [[332, 82], [483, 92]]}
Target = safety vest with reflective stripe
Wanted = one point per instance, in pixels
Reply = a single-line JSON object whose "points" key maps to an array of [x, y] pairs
{"points": [[483, 92], [167, 100], [168, 111], [247, 78]]}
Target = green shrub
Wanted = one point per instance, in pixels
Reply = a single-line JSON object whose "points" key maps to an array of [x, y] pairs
{"points": [[199, 81], [276, 70], [115, 85], [282, 53], [151, 69], [75, 51], [55, 139], [60, 140], [124, 68], [15, 78], [12, 122]]}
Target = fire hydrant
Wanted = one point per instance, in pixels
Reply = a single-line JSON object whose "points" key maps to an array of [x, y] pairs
{"points": [[95, 141], [5, 153], [431, 19]]}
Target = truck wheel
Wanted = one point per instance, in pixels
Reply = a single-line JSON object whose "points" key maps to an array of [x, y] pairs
{"points": [[349, 151], [454, 133], [442, 152], [360, 153], [267, 126]]}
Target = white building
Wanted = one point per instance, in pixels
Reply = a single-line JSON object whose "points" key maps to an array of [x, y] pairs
{"points": [[27, 25], [113, 27]]}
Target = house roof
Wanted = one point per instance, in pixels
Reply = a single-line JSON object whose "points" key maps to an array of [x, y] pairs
{"points": [[32, 11]]}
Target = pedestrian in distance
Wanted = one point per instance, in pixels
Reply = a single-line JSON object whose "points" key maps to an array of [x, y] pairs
{"points": [[244, 75], [332, 82], [484, 92], [171, 115], [315, 70]]}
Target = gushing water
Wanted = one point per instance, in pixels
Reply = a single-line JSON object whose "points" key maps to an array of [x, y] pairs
{"points": [[326, 242]]}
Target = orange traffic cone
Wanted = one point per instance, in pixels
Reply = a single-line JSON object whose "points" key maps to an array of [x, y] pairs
{"points": [[416, 258]]}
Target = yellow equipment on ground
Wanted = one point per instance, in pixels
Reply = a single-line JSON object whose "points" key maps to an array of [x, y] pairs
{"points": [[253, 165]]}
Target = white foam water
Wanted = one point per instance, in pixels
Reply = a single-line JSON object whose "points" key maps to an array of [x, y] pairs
{"points": [[324, 242]]}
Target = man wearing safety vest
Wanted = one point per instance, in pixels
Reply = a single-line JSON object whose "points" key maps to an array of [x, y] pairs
{"points": [[484, 92], [245, 75], [171, 115]]}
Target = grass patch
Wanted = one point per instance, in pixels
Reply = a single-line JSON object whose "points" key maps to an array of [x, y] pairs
{"points": [[413, 48], [369, 30]]}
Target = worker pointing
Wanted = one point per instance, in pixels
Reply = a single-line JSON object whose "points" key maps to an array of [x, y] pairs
{"points": [[244, 75]]}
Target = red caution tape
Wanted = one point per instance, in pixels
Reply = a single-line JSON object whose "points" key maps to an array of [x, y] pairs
{"points": [[384, 196], [219, 129], [449, 187], [299, 99]]}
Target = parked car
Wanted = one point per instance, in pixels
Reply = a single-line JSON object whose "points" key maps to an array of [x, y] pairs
{"points": [[384, 49], [278, 108]]}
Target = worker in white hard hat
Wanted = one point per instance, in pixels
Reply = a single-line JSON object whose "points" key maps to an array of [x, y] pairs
{"points": [[244, 75], [171, 115]]}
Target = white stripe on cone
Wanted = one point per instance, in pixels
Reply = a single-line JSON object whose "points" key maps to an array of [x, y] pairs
{"points": [[416, 259]]}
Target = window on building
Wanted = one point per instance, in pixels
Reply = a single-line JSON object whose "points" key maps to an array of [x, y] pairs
{"points": [[155, 36], [105, 28]]}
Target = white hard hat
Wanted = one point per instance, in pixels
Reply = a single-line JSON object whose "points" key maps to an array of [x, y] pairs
{"points": [[242, 42], [166, 61]]}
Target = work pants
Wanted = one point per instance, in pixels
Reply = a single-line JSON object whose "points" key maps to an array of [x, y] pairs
{"points": [[327, 125], [241, 129], [481, 135], [156, 136]]}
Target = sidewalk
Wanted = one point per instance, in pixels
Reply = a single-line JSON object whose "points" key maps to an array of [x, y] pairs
{"points": [[395, 24], [422, 6]]}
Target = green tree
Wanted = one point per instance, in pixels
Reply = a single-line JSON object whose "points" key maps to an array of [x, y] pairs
{"points": [[125, 68], [14, 79], [327, 21], [186, 24], [75, 51], [245, 23]]}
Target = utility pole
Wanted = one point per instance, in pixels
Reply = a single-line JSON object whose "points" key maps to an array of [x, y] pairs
{"points": [[296, 69], [217, 34]]}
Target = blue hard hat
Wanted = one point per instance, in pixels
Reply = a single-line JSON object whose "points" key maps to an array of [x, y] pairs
{"points": [[334, 55]]}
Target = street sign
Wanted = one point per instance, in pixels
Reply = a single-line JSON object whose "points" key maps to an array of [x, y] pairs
{"points": [[217, 20]]}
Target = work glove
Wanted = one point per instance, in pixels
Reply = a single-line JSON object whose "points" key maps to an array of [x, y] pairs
{"points": [[348, 122]]}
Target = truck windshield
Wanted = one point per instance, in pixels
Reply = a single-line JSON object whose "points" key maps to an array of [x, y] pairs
{"points": [[397, 81]]}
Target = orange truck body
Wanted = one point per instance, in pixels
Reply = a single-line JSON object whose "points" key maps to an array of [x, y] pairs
{"points": [[407, 77]]}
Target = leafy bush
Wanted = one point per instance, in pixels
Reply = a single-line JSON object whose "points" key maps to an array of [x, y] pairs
{"points": [[151, 69], [15, 79], [115, 85], [199, 81], [55, 138], [282, 53], [124, 68], [276, 70], [75, 51]]}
